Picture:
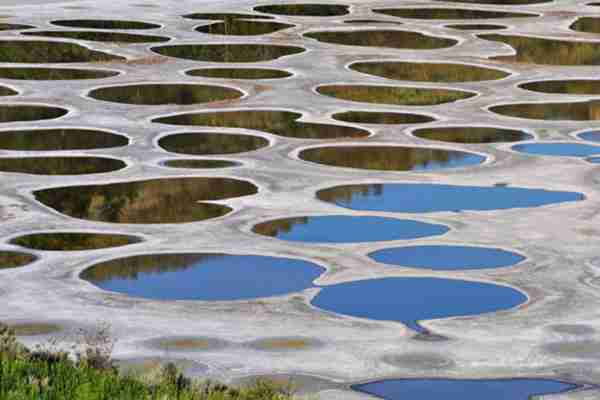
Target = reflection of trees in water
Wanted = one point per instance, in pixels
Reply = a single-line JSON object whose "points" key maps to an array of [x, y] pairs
{"points": [[131, 267], [225, 16], [382, 38], [373, 117], [228, 52], [393, 95], [10, 113], [243, 28], [345, 194], [548, 51], [51, 74], [13, 259], [104, 24], [96, 36], [73, 241], [152, 201], [590, 25], [448, 13], [275, 227], [165, 94], [281, 123], [582, 111], [579, 86], [501, 2], [60, 165], [471, 134], [203, 143], [14, 27], [307, 10], [59, 139], [428, 72], [381, 158], [240, 73], [49, 52]]}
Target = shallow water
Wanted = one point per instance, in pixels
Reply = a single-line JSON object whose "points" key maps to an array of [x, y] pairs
{"points": [[234, 53], [446, 257], [581, 86], [558, 149], [239, 27], [424, 198], [33, 52], [448, 13], [390, 158], [240, 73], [72, 241], [15, 259], [161, 94], [104, 24], [470, 134], [100, 36], [383, 38], [428, 72], [577, 111], [347, 229], [410, 300], [282, 123], [374, 117], [207, 277], [60, 165], [464, 389], [59, 139], [155, 201], [200, 164], [304, 10], [210, 143], [53, 74], [397, 95]]}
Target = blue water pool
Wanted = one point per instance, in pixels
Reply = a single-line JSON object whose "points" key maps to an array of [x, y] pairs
{"points": [[558, 149], [409, 300], [447, 257], [423, 198]]}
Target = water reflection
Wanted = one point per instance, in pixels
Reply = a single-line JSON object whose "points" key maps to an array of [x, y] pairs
{"points": [[159, 94], [374, 117], [476, 27], [347, 229], [472, 134], [589, 25], [428, 72], [100, 36], [304, 10], [104, 24], [208, 277], [152, 201], [14, 27], [240, 73], [447, 258], [59, 139], [425, 198], [558, 149], [282, 123], [390, 158], [200, 164], [572, 86], [54, 74], [398, 95], [234, 53], [73, 241], [448, 13], [225, 16], [14, 113], [500, 2], [410, 300], [34, 52], [465, 389], [383, 38], [548, 51], [205, 143], [60, 165], [580, 111], [14, 259], [240, 27], [370, 21]]}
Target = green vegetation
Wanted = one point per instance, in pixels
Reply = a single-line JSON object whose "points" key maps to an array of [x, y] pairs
{"points": [[407, 96], [90, 374]]}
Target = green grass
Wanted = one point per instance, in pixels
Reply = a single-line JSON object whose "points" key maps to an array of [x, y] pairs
{"points": [[90, 375]]}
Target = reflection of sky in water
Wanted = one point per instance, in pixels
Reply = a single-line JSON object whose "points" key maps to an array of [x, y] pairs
{"points": [[436, 389], [348, 229], [409, 300], [420, 198], [455, 159], [447, 257], [208, 277], [558, 149]]}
